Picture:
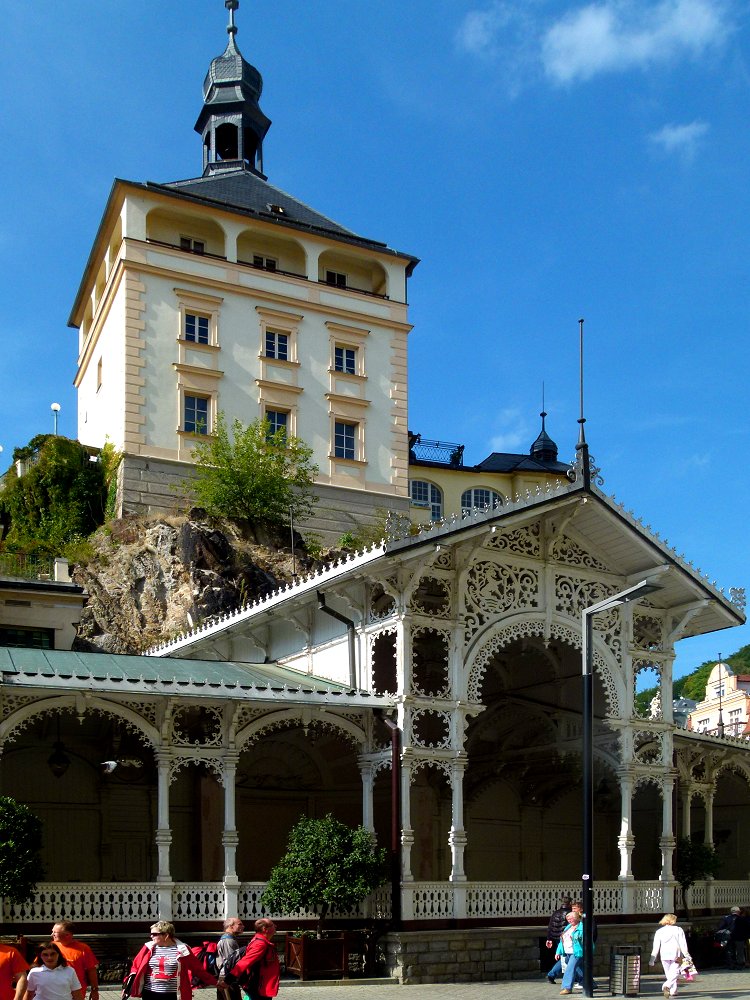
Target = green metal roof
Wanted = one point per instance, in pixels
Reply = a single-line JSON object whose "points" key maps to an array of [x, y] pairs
{"points": [[111, 672]]}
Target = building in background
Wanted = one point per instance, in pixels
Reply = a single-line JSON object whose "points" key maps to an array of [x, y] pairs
{"points": [[40, 606], [222, 293], [725, 711]]}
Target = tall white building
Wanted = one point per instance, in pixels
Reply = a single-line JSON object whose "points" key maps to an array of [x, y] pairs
{"points": [[224, 293]]}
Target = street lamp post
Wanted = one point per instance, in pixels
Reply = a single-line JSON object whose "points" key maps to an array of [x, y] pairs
{"points": [[55, 407], [633, 593], [720, 723]]}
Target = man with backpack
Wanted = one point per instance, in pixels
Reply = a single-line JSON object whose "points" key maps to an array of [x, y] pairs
{"points": [[258, 970], [227, 946]]}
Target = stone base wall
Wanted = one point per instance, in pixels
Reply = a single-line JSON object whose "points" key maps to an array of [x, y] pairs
{"points": [[155, 486], [489, 954]]}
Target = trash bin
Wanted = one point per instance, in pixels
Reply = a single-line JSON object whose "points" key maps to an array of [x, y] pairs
{"points": [[625, 970]]}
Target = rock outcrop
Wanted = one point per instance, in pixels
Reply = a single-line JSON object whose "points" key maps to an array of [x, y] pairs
{"points": [[150, 578]]}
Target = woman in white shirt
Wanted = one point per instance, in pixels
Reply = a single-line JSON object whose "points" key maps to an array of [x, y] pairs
{"points": [[51, 978], [670, 943]]}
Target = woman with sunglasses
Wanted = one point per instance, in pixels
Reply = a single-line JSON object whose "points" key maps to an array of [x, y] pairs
{"points": [[51, 978], [163, 967]]}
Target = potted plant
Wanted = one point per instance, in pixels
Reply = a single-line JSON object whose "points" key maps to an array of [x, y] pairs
{"points": [[327, 866]]}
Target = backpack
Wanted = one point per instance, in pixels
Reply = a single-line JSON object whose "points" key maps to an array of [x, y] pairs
{"points": [[206, 955], [248, 980]]}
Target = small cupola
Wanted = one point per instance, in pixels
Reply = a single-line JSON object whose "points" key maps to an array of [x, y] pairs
{"points": [[544, 448], [231, 123]]}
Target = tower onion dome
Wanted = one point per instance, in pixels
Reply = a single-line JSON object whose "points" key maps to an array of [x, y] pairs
{"points": [[231, 122], [544, 448]]}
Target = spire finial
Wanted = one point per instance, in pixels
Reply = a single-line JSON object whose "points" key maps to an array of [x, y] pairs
{"points": [[582, 448], [231, 6], [543, 414]]}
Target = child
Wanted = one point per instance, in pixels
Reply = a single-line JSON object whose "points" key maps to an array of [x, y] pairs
{"points": [[51, 978]]}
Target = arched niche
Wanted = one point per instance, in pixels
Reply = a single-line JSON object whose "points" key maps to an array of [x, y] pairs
{"points": [[185, 230]]}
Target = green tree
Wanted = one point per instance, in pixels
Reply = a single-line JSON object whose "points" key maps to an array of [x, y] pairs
{"points": [[20, 845], [694, 861], [252, 474], [327, 866], [61, 497]]}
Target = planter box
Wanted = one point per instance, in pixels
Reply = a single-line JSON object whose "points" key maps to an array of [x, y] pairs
{"points": [[310, 958]]}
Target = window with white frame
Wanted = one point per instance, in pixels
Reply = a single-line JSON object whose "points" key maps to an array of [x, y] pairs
{"points": [[277, 345], [345, 439], [702, 725], [197, 328], [278, 420], [267, 263], [336, 278], [345, 359], [194, 246], [479, 497], [196, 414], [424, 494]]}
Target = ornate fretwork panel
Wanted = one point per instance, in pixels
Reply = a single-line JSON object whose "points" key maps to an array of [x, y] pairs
{"points": [[212, 764], [430, 729], [444, 559], [572, 595], [523, 541], [493, 589], [383, 667], [537, 627], [641, 679], [565, 550], [430, 647], [643, 778], [647, 632], [442, 766], [648, 747], [432, 598], [381, 604], [197, 726]]}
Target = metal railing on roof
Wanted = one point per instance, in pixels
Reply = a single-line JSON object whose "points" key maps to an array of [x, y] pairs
{"points": [[25, 567], [445, 452]]}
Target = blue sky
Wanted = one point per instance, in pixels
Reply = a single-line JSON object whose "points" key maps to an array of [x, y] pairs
{"points": [[546, 159]]}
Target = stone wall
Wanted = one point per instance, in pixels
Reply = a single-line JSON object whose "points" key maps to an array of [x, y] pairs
{"points": [[155, 486], [489, 954]]}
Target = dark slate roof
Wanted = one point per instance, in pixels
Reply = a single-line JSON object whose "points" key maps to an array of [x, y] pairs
{"points": [[502, 461], [246, 191]]}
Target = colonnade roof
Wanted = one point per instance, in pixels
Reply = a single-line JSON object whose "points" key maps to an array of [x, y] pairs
{"points": [[118, 673]]}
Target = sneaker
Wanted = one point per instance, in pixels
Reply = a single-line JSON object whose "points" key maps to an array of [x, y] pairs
{"points": [[564, 992], [577, 988]]}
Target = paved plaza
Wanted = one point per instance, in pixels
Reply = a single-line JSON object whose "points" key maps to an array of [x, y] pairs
{"points": [[714, 984]]}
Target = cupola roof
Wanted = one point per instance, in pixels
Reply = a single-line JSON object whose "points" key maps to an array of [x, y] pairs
{"points": [[544, 448]]}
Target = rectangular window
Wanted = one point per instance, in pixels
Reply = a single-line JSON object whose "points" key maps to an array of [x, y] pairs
{"points": [[196, 328], [196, 415], [336, 278], [194, 246], [344, 440], [278, 420], [277, 345], [31, 638], [267, 263], [345, 360]]}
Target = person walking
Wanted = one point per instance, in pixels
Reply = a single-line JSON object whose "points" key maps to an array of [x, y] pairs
{"points": [[13, 969], [555, 928], [227, 945], [51, 977], [162, 968], [669, 944], [738, 927], [570, 948], [261, 952], [78, 955]]}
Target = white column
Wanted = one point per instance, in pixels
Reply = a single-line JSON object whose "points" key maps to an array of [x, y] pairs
{"points": [[686, 798], [626, 843], [163, 836], [230, 837], [407, 834], [667, 845], [366, 773], [708, 798]]}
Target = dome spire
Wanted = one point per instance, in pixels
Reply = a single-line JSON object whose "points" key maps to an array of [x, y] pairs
{"points": [[544, 448], [231, 122]]}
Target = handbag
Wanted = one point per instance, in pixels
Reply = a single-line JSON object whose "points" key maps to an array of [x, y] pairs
{"points": [[127, 987], [687, 970]]}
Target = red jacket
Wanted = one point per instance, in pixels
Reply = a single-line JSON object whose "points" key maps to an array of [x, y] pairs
{"points": [[188, 964], [262, 951]]}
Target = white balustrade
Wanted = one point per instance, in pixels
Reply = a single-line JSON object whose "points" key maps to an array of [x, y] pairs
{"points": [[83, 902]]}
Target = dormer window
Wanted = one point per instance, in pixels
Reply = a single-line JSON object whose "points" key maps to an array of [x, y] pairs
{"points": [[276, 210]]}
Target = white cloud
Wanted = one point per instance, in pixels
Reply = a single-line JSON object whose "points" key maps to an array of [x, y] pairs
{"points": [[513, 433], [682, 140], [604, 36], [617, 35]]}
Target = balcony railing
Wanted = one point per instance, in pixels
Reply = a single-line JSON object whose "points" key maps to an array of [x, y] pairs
{"points": [[140, 902], [442, 452], [24, 567]]}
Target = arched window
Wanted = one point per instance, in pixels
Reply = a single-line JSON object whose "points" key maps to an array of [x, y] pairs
{"points": [[479, 497], [424, 494]]}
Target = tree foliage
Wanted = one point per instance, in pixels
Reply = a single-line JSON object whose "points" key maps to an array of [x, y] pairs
{"points": [[327, 866], [20, 845], [61, 497], [694, 860], [693, 685], [252, 474]]}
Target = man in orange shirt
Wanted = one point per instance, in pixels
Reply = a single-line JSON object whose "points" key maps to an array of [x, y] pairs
{"points": [[13, 968], [79, 955]]}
